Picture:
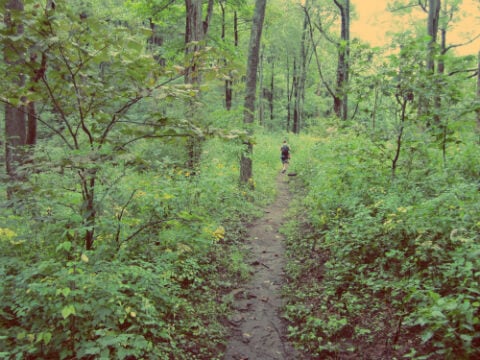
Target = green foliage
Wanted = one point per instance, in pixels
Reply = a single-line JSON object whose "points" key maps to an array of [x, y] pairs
{"points": [[147, 288], [381, 262]]}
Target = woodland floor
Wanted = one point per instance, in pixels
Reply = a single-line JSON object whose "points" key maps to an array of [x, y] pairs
{"points": [[258, 331]]}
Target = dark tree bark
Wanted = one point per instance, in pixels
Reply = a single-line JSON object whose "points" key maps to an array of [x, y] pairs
{"points": [[195, 32], [301, 79], [228, 81], [425, 102], [251, 87], [295, 85], [440, 70], [478, 92], [289, 97], [260, 73], [432, 27], [341, 100], [272, 90], [15, 116]]}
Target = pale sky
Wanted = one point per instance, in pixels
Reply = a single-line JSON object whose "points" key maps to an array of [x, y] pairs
{"points": [[374, 21]]}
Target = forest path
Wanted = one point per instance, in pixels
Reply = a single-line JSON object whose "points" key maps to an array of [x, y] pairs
{"points": [[257, 329]]}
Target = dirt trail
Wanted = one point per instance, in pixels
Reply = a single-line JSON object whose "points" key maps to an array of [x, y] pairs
{"points": [[258, 332]]}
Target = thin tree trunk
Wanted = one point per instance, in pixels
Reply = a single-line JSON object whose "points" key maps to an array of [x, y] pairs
{"points": [[432, 27], [235, 28], [272, 91], [15, 116], [295, 81], [289, 97], [228, 82], [301, 79], [478, 92], [403, 111], [340, 103], [261, 102], [424, 104], [438, 81], [246, 172]]}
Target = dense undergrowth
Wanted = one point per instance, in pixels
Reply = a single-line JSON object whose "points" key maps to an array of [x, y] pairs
{"points": [[384, 267], [167, 248]]}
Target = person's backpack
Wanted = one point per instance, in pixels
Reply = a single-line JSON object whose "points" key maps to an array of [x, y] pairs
{"points": [[285, 150]]}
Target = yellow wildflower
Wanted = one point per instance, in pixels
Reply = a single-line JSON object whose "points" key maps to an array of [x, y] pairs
{"points": [[219, 233]]}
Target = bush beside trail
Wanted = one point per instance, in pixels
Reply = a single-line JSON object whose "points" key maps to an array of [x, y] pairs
{"points": [[379, 266]]}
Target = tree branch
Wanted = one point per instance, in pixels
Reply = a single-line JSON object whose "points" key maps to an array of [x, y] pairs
{"points": [[462, 44], [319, 67], [473, 71], [149, 225], [120, 215]]}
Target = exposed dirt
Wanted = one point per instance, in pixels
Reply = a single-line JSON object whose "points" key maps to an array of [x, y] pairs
{"points": [[257, 329]]}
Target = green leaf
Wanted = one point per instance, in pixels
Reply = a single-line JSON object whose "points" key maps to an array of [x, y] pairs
{"points": [[68, 310], [67, 246], [65, 291], [427, 336]]}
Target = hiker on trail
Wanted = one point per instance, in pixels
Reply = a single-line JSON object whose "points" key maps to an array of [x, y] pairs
{"points": [[284, 155]]}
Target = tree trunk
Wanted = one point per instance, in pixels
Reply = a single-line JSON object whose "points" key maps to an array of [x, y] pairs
{"points": [[246, 172], [195, 31], [340, 101], [15, 116], [261, 102], [193, 36], [295, 85], [439, 79], [228, 82], [289, 97], [272, 91], [235, 28], [424, 104], [432, 27], [402, 100], [478, 92], [301, 76], [31, 137], [89, 211]]}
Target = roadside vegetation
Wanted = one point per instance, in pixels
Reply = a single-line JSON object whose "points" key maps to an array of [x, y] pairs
{"points": [[380, 266]]}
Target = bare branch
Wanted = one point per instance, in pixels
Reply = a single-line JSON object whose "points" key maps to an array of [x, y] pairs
{"points": [[149, 225], [423, 5], [462, 44], [408, 6], [314, 46], [120, 215], [473, 72]]}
